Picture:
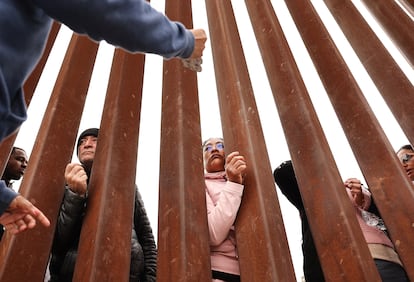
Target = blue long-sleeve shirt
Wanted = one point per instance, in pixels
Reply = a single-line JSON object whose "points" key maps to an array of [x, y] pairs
{"points": [[25, 25]]}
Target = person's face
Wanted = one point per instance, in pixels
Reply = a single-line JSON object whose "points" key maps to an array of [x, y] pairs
{"points": [[406, 157], [214, 157], [87, 148], [16, 165]]}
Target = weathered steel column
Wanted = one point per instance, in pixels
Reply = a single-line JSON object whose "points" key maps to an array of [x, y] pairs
{"points": [[29, 88], [408, 2], [390, 80], [261, 238], [409, 5], [108, 221], [398, 25], [33, 79], [24, 257], [371, 147], [330, 214], [183, 248]]}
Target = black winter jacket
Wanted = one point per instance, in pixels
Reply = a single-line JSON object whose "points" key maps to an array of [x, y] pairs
{"points": [[286, 180], [67, 234]]}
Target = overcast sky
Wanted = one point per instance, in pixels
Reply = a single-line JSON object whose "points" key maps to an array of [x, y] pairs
{"points": [[148, 155]]}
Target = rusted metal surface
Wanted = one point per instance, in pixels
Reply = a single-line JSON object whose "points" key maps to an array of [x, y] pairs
{"points": [[337, 237], [107, 225], [28, 88], [5, 150], [408, 6], [372, 149], [183, 248], [182, 233], [395, 88], [398, 25], [265, 258], [24, 257], [33, 79]]}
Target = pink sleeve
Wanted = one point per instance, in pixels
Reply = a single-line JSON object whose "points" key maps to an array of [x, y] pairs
{"points": [[221, 216]]}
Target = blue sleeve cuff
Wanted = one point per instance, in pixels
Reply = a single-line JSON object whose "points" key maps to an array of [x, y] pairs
{"points": [[6, 196], [191, 44]]}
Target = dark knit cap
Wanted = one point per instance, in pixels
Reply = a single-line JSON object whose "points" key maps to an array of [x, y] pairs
{"points": [[87, 132]]}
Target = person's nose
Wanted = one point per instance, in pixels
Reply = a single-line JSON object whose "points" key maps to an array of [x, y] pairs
{"points": [[214, 149], [88, 143]]}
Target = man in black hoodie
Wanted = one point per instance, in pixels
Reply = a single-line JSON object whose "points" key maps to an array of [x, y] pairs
{"points": [[71, 214]]}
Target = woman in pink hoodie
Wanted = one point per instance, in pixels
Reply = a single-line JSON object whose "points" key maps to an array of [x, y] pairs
{"points": [[224, 189]]}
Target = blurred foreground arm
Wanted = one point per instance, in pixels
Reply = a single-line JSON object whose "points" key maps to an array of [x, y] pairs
{"points": [[131, 24], [22, 215]]}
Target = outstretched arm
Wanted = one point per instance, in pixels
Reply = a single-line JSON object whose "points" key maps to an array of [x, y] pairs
{"points": [[131, 24], [22, 215]]}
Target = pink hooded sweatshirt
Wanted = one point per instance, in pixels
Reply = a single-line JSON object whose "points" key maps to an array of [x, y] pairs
{"points": [[223, 200]]}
